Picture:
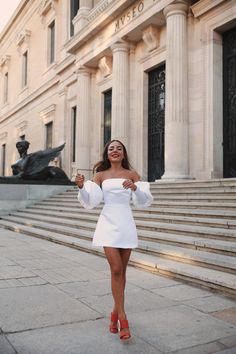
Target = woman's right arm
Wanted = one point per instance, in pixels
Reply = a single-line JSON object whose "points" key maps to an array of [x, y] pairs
{"points": [[89, 194]]}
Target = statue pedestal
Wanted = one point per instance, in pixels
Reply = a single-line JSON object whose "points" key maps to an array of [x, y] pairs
{"points": [[13, 196]]}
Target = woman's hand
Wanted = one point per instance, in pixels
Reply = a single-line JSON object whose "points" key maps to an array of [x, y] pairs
{"points": [[128, 183], [79, 180]]}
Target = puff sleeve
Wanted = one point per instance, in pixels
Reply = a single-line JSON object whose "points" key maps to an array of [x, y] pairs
{"points": [[90, 195], [142, 197]]}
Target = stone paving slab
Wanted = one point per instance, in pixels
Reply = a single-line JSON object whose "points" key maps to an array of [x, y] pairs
{"points": [[91, 337], [5, 346], [211, 303], [228, 351], [63, 307], [39, 306], [182, 292], [136, 300], [179, 327], [207, 348], [228, 315]]}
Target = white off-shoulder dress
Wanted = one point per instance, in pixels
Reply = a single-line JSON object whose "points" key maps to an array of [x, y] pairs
{"points": [[115, 226]]}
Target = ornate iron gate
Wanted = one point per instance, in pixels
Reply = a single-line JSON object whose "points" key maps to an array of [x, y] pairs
{"points": [[229, 103], [156, 123]]}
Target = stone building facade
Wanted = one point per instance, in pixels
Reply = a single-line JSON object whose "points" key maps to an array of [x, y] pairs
{"points": [[160, 75]]}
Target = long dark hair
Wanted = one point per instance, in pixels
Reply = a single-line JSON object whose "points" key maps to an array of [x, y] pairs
{"points": [[104, 164]]}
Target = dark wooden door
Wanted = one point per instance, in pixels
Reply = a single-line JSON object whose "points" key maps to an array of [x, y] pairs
{"points": [[156, 123], [229, 103], [107, 115]]}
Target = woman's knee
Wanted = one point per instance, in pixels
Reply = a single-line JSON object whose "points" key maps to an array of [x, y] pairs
{"points": [[117, 271]]}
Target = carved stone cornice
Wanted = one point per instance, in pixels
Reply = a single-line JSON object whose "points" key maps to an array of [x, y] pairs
{"points": [[20, 127], [203, 6], [47, 114], [105, 66], [102, 5], [24, 36], [5, 60], [46, 5], [151, 37]]}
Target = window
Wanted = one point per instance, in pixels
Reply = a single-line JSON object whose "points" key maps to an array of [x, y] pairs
{"points": [[51, 42], [3, 159], [49, 135], [25, 69], [5, 90], [74, 113], [74, 7], [107, 115]]}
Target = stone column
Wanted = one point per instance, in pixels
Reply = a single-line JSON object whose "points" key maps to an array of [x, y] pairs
{"points": [[176, 111], [83, 122], [60, 120], [120, 91]]}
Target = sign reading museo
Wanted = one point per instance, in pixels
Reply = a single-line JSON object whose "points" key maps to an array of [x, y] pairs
{"points": [[129, 15]]}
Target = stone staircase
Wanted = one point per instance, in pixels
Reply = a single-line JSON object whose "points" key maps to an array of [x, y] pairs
{"points": [[188, 233]]}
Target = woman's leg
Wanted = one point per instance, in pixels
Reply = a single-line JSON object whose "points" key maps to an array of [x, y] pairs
{"points": [[116, 262], [125, 256]]}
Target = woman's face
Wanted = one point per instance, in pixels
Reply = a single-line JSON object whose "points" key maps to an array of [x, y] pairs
{"points": [[115, 152]]}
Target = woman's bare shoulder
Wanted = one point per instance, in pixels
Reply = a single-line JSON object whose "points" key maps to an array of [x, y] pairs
{"points": [[98, 177], [134, 176]]}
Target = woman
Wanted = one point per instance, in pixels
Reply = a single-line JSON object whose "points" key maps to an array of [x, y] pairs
{"points": [[115, 182]]}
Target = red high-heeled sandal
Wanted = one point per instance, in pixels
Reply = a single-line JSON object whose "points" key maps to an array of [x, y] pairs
{"points": [[114, 327], [124, 330]]}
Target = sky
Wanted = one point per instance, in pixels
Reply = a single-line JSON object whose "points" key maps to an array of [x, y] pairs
{"points": [[7, 7]]}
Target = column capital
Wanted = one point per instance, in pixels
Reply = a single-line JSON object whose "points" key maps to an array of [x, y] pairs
{"points": [[120, 46], [178, 7], [83, 70]]}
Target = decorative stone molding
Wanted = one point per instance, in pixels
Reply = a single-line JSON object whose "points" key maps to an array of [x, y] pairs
{"points": [[23, 37], [3, 137], [203, 6], [81, 19], [21, 128], [102, 5], [47, 115], [5, 61], [151, 37], [46, 5], [23, 41], [105, 66]]}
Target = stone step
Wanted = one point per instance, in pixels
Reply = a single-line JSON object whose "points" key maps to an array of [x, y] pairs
{"points": [[165, 204], [216, 246], [213, 183], [193, 230], [149, 211], [161, 196], [211, 278], [180, 253], [173, 191], [189, 220], [221, 182]]}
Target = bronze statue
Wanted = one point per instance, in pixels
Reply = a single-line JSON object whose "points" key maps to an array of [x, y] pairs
{"points": [[34, 166]]}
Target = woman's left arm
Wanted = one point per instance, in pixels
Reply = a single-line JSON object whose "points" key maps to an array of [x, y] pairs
{"points": [[141, 194]]}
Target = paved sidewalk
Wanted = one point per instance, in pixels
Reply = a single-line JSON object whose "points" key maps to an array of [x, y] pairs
{"points": [[54, 299]]}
